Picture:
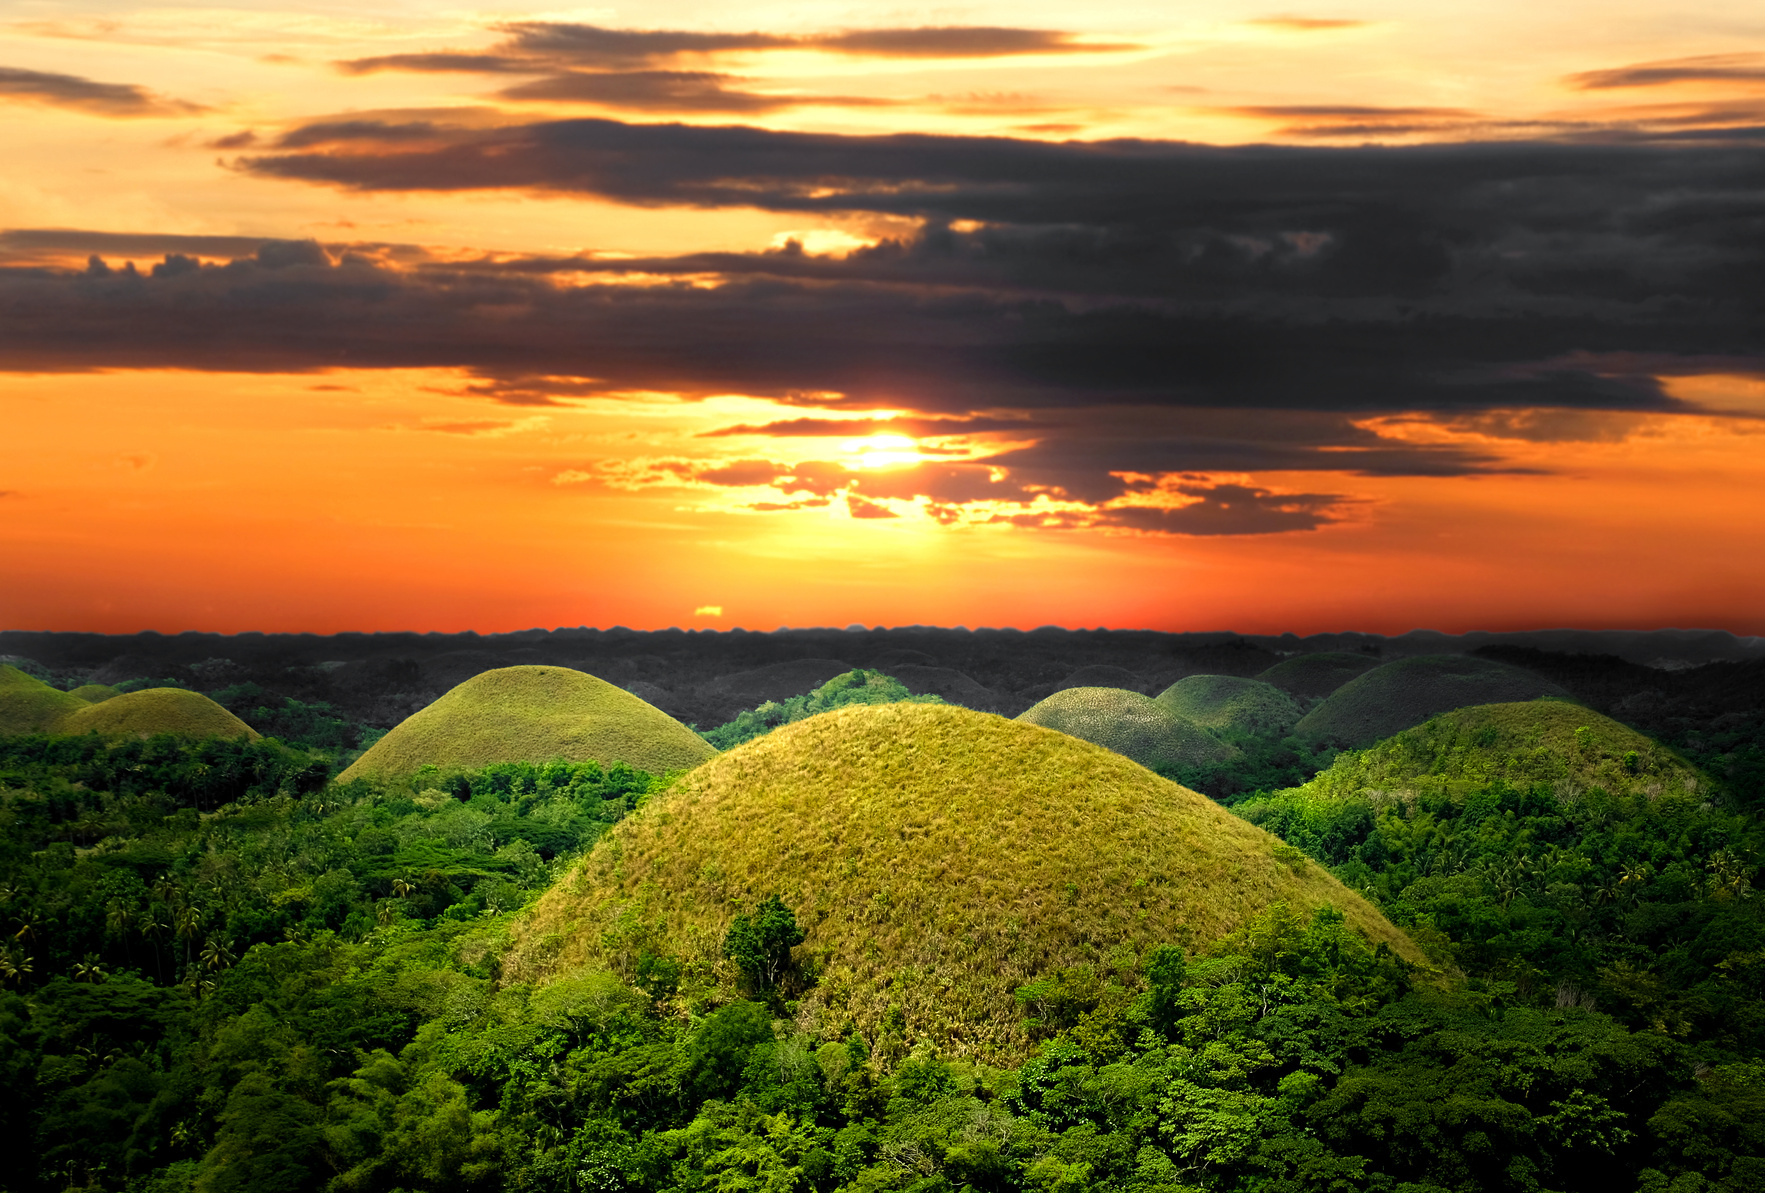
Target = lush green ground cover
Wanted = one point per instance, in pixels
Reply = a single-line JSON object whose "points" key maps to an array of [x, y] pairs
{"points": [[238, 976], [854, 687]]}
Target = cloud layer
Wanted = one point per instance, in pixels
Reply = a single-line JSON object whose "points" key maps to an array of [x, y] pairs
{"points": [[117, 100]]}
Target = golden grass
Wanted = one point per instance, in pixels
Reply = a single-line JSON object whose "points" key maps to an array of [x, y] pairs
{"points": [[1525, 743], [1396, 696], [1132, 725], [28, 705], [534, 714], [1230, 702], [1314, 676], [155, 710], [937, 857], [94, 693]]}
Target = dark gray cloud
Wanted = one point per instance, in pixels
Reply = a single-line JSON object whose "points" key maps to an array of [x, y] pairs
{"points": [[1185, 505], [1097, 313], [1708, 68], [84, 95]]}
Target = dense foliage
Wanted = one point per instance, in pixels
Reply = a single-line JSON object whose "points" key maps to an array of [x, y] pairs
{"points": [[854, 687], [228, 973]]}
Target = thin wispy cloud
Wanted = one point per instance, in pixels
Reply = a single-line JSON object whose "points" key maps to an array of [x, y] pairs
{"points": [[114, 100]]}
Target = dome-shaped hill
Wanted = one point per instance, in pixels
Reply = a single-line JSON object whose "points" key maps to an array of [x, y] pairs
{"points": [[1104, 675], [1229, 702], [94, 693], [1524, 744], [28, 705], [154, 711], [534, 714], [1314, 676], [777, 681], [937, 858], [1132, 725], [1392, 698], [945, 683]]}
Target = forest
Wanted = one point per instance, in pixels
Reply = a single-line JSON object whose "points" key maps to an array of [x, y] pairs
{"points": [[225, 970]]}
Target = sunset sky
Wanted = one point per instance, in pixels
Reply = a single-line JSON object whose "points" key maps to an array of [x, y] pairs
{"points": [[1371, 316]]}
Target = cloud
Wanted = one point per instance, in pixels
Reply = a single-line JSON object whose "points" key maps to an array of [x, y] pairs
{"points": [[117, 100], [858, 507], [1292, 24], [1226, 508], [546, 45], [708, 611], [669, 91], [850, 428], [1709, 68], [1083, 312]]}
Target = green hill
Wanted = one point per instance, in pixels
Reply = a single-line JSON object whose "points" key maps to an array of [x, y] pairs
{"points": [[153, 711], [1230, 703], [1314, 676], [1132, 725], [534, 714], [1396, 696], [1523, 744], [938, 858], [94, 693], [28, 705]]}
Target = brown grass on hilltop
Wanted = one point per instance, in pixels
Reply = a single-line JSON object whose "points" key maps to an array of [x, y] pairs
{"points": [[534, 714], [938, 859], [1132, 725], [153, 711]]}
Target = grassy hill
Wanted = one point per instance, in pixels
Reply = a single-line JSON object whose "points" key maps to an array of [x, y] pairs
{"points": [[1314, 676], [938, 859], [1132, 725], [28, 705], [1536, 741], [534, 714], [153, 711], [1230, 703], [1396, 696], [94, 693]]}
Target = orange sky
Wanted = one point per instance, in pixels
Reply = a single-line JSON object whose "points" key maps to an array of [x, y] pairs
{"points": [[511, 442]]}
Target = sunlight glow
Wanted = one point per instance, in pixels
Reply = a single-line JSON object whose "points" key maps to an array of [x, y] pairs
{"points": [[884, 451]]}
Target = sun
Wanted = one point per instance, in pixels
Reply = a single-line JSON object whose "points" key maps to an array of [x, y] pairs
{"points": [[884, 451]]}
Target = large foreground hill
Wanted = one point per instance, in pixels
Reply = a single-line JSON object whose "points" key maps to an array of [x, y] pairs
{"points": [[938, 859]]}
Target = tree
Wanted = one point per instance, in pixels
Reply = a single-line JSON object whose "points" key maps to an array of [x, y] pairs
{"points": [[761, 944]]}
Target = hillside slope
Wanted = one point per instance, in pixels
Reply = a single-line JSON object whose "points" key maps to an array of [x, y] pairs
{"points": [[1132, 725], [1231, 703], [938, 859], [1396, 696], [153, 711], [28, 705], [534, 714], [1537, 741], [1314, 676]]}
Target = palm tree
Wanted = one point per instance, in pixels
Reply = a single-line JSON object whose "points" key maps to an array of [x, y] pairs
{"points": [[217, 953], [89, 970]]}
